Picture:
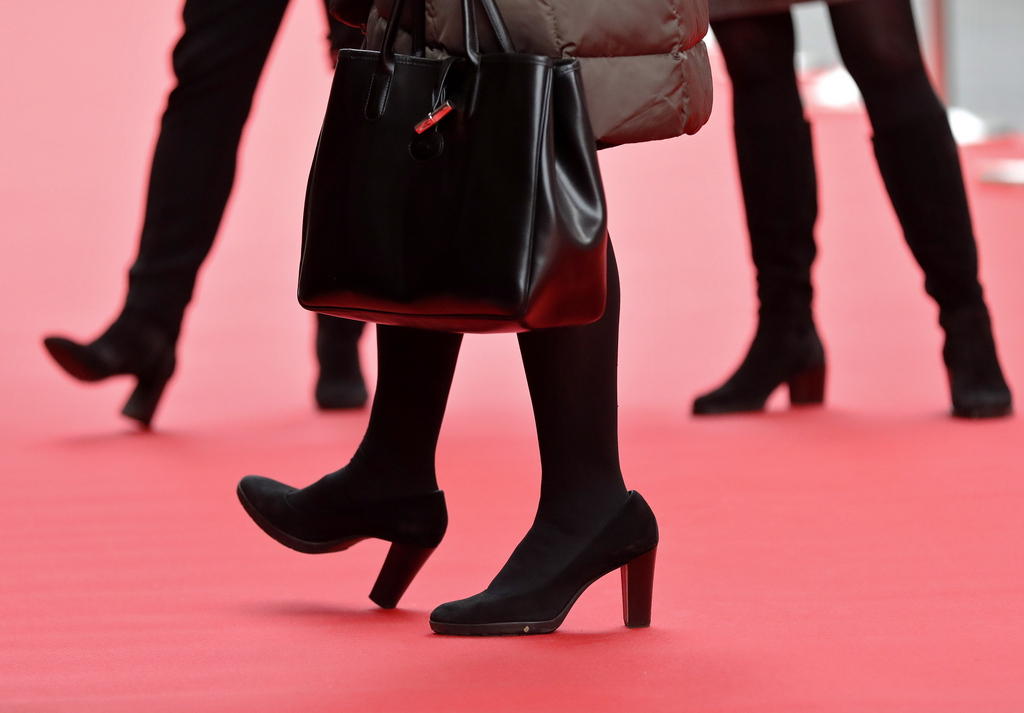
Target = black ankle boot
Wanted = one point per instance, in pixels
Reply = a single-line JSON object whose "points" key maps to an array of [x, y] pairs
{"points": [[340, 383], [413, 524], [779, 355], [920, 164], [776, 165], [550, 569], [976, 381], [131, 346]]}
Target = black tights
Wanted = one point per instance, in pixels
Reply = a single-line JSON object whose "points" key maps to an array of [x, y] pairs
{"points": [[572, 376], [878, 43]]}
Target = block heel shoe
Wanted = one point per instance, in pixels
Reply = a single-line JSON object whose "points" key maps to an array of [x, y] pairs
{"points": [[544, 577], [638, 590], [127, 348], [400, 567], [414, 525], [776, 357], [807, 388], [144, 399]]}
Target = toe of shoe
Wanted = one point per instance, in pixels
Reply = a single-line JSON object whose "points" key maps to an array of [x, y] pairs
{"points": [[259, 492], [462, 611], [701, 405], [74, 358], [447, 613], [710, 404]]}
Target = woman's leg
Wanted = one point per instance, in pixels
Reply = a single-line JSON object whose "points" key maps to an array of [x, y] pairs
{"points": [[572, 373], [217, 62], [920, 164], [388, 490], [915, 147], [586, 523], [396, 455], [776, 166], [572, 377], [759, 54]]}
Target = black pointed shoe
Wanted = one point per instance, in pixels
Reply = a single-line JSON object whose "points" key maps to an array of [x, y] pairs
{"points": [[128, 348], [776, 357], [543, 578], [414, 525], [976, 380]]}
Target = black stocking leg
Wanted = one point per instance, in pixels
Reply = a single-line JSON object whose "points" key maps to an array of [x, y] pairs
{"points": [[586, 524], [572, 373], [396, 456]]}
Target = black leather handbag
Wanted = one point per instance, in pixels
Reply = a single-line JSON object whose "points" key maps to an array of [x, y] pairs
{"points": [[459, 194]]}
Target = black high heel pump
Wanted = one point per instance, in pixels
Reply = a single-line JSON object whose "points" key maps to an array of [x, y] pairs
{"points": [[537, 587], [126, 349], [414, 525]]}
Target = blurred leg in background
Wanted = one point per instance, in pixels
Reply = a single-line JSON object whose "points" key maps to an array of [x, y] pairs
{"points": [[920, 164], [776, 166], [217, 62]]}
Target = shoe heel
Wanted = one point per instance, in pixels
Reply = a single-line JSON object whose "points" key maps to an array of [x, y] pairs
{"points": [[401, 566], [145, 398], [808, 387], [638, 589]]}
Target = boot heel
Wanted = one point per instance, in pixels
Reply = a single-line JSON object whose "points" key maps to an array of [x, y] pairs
{"points": [[145, 398], [808, 387], [638, 589], [401, 566]]}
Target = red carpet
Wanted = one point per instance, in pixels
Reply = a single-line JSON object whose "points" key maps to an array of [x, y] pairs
{"points": [[866, 557]]}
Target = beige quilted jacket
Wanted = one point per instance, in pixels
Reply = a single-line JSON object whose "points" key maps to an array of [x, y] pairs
{"points": [[644, 63]]}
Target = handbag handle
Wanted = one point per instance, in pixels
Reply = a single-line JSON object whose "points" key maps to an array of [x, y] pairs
{"points": [[381, 83], [472, 36], [387, 50]]}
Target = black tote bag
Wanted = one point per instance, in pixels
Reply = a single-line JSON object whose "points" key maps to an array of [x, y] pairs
{"points": [[456, 194]]}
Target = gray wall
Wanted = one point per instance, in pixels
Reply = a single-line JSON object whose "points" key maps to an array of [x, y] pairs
{"points": [[986, 58]]}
